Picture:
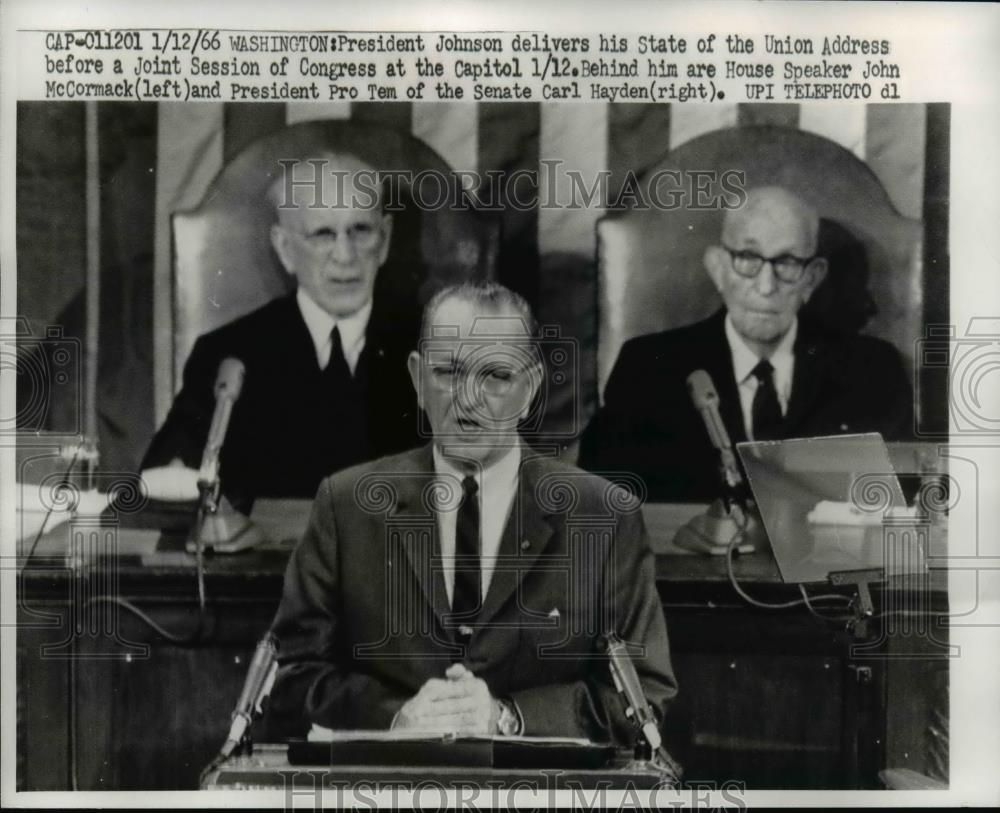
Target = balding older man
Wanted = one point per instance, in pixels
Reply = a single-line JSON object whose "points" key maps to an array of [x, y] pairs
{"points": [[778, 375]]}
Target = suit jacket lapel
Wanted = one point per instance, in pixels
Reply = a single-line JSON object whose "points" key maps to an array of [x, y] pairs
{"points": [[526, 535], [295, 352], [811, 364], [411, 487]]}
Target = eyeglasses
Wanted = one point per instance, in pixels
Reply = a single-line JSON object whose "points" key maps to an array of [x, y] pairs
{"points": [[361, 236], [787, 267], [492, 378]]}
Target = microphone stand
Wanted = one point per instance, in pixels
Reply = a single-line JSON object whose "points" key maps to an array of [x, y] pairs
{"points": [[729, 515], [256, 689], [220, 527], [712, 531], [648, 749]]}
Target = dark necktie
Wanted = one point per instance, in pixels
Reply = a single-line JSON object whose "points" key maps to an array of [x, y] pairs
{"points": [[766, 411], [336, 373], [467, 589]]}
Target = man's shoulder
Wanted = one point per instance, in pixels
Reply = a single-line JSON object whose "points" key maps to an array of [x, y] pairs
{"points": [[559, 483], [853, 350], [872, 347], [412, 462], [244, 337], [274, 315], [662, 343]]}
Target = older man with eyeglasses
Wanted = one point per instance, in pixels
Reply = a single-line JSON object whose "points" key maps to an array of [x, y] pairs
{"points": [[778, 374], [325, 384]]}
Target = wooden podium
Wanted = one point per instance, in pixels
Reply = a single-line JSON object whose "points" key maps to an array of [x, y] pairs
{"points": [[268, 768]]}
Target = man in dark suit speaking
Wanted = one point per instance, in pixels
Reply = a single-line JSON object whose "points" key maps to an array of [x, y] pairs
{"points": [[325, 384], [778, 374], [465, 586]]}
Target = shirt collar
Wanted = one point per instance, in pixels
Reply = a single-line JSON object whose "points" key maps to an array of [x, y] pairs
{"points": [[502, 473], [320, 323], [745, 359]]}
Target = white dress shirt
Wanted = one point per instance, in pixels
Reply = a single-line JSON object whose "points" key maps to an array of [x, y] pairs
{"points": [[497, 486], [745, 359], [320, 325]]}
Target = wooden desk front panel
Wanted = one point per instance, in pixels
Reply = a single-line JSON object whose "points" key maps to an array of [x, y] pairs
{"points": [[763, 700], [769, 698], [142, 721]]}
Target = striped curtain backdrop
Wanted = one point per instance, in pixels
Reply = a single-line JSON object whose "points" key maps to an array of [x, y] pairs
{"points": [[546, 253], [159, 159]]}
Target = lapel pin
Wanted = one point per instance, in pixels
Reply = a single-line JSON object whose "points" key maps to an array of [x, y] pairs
{"points": [[525, 545]]}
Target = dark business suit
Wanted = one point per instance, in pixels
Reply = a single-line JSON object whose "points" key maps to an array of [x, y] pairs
{"points": [[363, 621], [288, 429], [648, 425]]}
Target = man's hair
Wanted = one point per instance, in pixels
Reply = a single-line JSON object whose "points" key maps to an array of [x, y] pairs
{"points": [[781, 201], [304, 170], [489, 295]]}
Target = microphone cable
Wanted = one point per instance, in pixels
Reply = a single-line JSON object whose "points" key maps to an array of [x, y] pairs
{"points": [[190, 638], [806, 600], [195, 636]]}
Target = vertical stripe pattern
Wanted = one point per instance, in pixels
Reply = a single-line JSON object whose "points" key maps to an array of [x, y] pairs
{"points": [[508, 136], [895, 140], [691, 121], [450, 129], [638, 138], [546, 253], [573, 145], [842, 123], [190, 154], [315, 111]]}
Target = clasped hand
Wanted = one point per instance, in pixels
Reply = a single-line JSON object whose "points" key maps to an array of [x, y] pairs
{"points": [[459, 703]]}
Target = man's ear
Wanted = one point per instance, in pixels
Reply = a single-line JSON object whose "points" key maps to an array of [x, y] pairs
{"points": [[385, 227], [815, 275], [714, 260], [413, 365], [282, 247]]}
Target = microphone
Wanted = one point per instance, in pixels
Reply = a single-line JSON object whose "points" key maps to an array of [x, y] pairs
{"points": [[637, 707], [219, 527], [256, 688], [228, 384], [725, 521], [627, 683], [706, 400]]}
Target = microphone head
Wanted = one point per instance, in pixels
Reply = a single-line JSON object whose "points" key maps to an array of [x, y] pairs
{"points": [[702, 389], [229, 381]]}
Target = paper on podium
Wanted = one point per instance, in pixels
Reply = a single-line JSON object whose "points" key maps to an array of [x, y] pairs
{"points": [[425, 748], [35, 513], [829, 512], [171, 483], [319, 733], [33, 519]]}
